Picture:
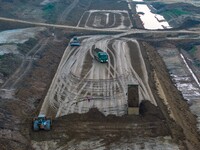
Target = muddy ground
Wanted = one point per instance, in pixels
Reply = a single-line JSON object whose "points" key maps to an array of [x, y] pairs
{"points": [[29, 97], [183, 117], [16, 113]]}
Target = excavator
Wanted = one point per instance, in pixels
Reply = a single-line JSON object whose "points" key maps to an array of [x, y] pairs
{"points": [[42, 123]]}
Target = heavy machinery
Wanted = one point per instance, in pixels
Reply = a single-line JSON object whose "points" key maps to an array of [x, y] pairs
{"points": [[42, 123], [100, 55], [75, 42]]}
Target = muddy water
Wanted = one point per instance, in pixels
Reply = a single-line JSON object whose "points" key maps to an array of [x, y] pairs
{"points": [[151, 20], [184, 79]]}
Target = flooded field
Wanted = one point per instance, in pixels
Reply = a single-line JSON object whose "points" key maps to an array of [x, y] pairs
{"points": [[150, 20]]}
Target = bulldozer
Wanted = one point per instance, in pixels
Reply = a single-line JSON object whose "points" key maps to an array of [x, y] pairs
{"points": [[42, 123], [75, 42]]}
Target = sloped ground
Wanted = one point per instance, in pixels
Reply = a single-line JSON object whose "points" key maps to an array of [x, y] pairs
{"points": [[35, 84], [105, 84], [16, 105], [178, 106], [93, 130], [179, 15], [16, 112]]}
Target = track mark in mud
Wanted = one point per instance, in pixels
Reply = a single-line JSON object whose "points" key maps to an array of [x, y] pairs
{"points": [[134, 57], [105, 19], [111, 59], [87, 64], [83, 21], [105, 83]]}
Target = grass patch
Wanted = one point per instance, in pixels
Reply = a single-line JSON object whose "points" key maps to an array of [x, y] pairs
{"points": [[49, 12], [193, 50], [197, 63], [174, 13]]}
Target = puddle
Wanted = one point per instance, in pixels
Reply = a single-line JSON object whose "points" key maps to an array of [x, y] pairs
{"points": [[150, 20]]}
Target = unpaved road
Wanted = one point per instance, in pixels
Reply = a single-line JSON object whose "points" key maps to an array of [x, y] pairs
{"points": [[85, 74], [25, 65], [82, 83], [127, 32]]}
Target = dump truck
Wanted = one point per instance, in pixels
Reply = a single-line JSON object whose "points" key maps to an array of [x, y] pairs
{"points": [[42, 123], [75, 42], [100, 55]]}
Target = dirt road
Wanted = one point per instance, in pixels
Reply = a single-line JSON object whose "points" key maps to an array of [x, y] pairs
{"points": [[127, 32], [81, 82], [112, 19]]}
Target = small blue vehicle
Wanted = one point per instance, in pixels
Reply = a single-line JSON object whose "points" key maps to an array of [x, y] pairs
{"points": [[42, 123], [75, 42]]}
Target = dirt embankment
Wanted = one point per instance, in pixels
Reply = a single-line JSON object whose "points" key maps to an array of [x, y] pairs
{"points": [[28, 97], [94, 124], [184, 129], [178, 15]]}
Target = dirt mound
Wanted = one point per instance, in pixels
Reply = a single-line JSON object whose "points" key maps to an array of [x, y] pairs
{"points": [[150, 111]]}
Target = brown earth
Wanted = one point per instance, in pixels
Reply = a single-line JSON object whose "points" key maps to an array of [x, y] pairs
{"points": [[184, 128], [111, 24], [16, 114], [30, 95]]}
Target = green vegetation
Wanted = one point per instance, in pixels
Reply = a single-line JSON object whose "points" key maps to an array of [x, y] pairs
{"points": [[49, 12], [197, 63], [8, 63], [49, 7], [178, 12], [174, 12], [193, 50], [52, 11]]}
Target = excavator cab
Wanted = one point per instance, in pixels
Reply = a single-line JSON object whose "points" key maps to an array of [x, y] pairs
{"points": [[42, 123]]}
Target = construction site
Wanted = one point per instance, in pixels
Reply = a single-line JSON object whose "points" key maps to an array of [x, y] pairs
{"points": [[99, 75]]}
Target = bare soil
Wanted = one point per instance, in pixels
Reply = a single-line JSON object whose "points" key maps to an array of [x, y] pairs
{"points": [[16, 113], [28, 96], [184, 128], [113, 22]]}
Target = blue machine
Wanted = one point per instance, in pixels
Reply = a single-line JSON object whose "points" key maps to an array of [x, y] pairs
{"points": [[75, 42], [42, 123]]}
